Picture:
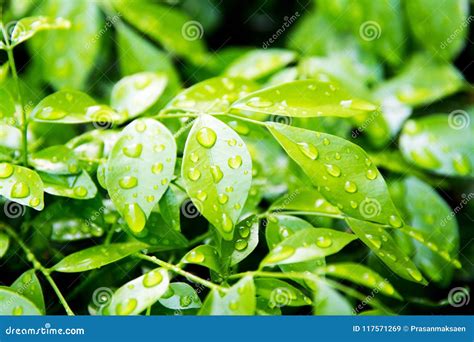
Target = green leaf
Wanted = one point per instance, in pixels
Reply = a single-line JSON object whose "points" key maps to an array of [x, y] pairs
{"points": [[135, 94], [73, 107], [70, 54], [328, 301], [139, 170], [244, 242], [307, 244], [383, 246], [21, 185], [306, 98], [79, 186], [361, 275], [171, 28], [27, 27], [96, 257], [304, 199], [442, 144], [441, 29], [29, 286], [14, 303], [180, 296], [214, 95], [7, 107], [420, 82], [204, 255], [4, 244], [57, 159], [140, 293], [217, 172], [239, 300], [280, 227], [256, 64], [341, 171], [170, 206], [280, 293]]}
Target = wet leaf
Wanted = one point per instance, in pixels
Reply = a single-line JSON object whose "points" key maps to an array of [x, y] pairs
{"points": [[217, 172], [15, 304], [55, 160], [279, 293], [29, 286], [27, 27], [244, 242], [21, 185], [204, 255], [280, 227], [181, 297], [79, 186], [7, 106], [328, 301]]}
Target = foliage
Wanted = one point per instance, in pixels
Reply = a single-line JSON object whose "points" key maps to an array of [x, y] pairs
{"points": [[328, 175]]}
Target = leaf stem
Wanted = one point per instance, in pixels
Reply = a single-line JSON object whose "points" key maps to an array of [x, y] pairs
{"points": [[279, 275], [38, 266], [177, 270], [255, 122]]}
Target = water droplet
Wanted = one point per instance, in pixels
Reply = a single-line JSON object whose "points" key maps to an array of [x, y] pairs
{"points": [[48, 113], [126, 309], [150, 198], [353, 204], [371, 174], [194, 157], [350, 187], [337, 156], [20, 190], [164, 181], [233, 305], [244, 232], [133, 151], [128, 182], [140, 127], [237, 206], [216, 173], [159, 148], [17, 311], [185, 301], [411, 127], [374, 240], [461, 164], [323, 242], [229, 189], [142, 82], [157, 168], [152, 278], [415, 274], [280, 253], [34, 202], [333, 170], [395, 221], [201, 195], [73, 168], [231, 142], [240, 244], [222, 198], [227, 224], [194, 174], [195, 257], [308, 150], [392, 257], [206, 137], [326, 141], [6, 170], [284, 232], [235, 162], [256, 102], [135, 217]]}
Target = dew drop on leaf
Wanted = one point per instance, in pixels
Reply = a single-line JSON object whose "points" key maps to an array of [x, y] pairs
{"points": [[152, 278], [128, 182], [222, 198], [235, 162], [323, 242], [194, 174], [127, 308], [371, 174], [227, 224], [6, 170], [240, 244], [350, 187], [133, 151], [216, 173], [395, 221], [157, 168], [195, 257], [308, 150], [206, 137], [20, 190], [333, 170], [135, 217]]}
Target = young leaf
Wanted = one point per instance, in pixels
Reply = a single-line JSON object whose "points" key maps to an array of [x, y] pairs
{"points": [[328, 301], [14, 303], [180, 296], [239, 300], [73, 107], [21, 185], [57, 159], [440, 143], [360, 275], [170, 206], [244, 242], [204, 255], [280, 293], [217, 172], [96, 257], [383, 245], [140, 293], [443, 35], [342, 172], [306, 98], [4, 244], [79, 186], [214, 95], [256, 64], [27, 27], [135, 94], [280, 227], [139, 170], [29, 286], [307, 244]]}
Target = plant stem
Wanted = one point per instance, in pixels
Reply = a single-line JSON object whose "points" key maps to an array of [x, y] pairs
{"points": [[177, 270], [255, 122], [38, 266], [19, 100], [264, 274]]}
